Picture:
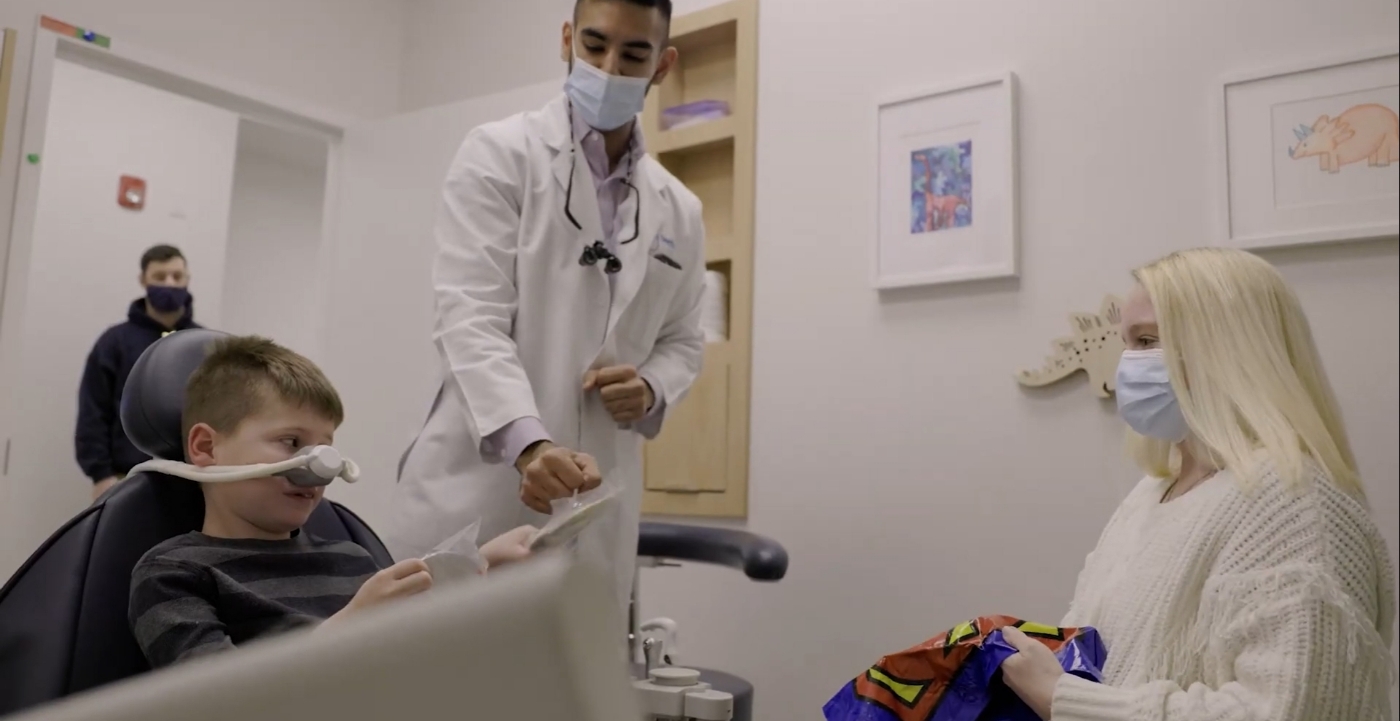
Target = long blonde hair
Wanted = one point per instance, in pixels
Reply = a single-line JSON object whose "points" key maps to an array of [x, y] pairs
{"points": [[1244, 367]]}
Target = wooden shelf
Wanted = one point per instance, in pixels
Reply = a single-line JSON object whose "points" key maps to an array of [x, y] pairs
{"points": [[718, 249], [693, 138], [719, 351], [699, 465], [9, 42], [704, 25]]}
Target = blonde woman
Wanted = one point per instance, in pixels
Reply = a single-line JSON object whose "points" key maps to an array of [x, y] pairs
{"points": [[1243, 579]]}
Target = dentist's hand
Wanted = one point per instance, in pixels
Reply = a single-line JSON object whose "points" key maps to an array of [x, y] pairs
{"points": [[548, 472], [625, 394]]}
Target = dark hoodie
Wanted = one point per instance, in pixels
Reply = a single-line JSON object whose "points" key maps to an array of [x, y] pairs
{"points": [[102, 448]]}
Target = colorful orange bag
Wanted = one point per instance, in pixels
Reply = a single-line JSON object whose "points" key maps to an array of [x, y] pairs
{"points": [[956, 675]]}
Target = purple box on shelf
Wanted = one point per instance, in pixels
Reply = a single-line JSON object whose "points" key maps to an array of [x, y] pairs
{"points": [[694, 113]]}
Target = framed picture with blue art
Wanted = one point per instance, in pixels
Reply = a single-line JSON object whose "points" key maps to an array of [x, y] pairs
{"points": [[940, 187], [946, 198], [1311, 153]]}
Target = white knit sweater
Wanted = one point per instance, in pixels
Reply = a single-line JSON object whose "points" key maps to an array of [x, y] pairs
{"points": [[1237, 602]]}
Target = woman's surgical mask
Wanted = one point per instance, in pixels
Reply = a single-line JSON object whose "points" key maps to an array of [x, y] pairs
{"points": [[310, 467], [1146, 400], [605, 102]]}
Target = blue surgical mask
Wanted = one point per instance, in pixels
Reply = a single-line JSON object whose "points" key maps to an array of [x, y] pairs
{"points": [[167, 298], [1146, 400], [605, 102]]}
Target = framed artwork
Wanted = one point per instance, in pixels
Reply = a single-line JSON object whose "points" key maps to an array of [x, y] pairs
{"points": [[1311, 154], [946, 185]]}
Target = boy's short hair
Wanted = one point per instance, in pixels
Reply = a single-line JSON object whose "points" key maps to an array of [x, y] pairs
{"points": [[242, 372]]}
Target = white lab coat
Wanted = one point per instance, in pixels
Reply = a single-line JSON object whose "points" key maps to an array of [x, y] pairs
{"points": [[519, 322]]}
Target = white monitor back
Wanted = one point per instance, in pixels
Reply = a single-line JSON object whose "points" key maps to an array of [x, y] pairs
{"points": [[540, 641]]}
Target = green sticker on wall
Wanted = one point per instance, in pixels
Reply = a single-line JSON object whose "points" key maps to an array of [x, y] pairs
{"points": [[101, 41]]}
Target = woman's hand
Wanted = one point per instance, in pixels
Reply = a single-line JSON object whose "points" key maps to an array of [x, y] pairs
{"points": [[1033, 672], [508, 547]]}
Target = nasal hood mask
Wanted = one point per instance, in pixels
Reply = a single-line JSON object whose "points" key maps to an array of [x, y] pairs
{"points": [[309, 468]]}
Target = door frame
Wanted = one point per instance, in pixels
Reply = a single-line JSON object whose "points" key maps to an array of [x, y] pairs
{"points": [[55, 40]]}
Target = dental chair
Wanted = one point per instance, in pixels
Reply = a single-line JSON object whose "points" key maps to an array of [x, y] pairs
{"points": [[63, 624], [661, 545], [63, 614]]}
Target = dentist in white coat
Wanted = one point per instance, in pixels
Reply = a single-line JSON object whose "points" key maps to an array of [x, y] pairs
{"points": [[568, 277]]}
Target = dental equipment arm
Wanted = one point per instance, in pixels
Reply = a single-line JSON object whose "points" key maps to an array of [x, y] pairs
{"points": [[761, 559]]}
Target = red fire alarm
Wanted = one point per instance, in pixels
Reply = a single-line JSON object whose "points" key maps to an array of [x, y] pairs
{"points": [[131, 193]]}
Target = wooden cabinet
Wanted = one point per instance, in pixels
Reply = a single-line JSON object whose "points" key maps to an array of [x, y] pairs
{"points": [[699, 465], [8, 44]]}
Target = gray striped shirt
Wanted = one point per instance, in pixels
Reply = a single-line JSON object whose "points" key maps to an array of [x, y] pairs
{"points": [[196, 594]]}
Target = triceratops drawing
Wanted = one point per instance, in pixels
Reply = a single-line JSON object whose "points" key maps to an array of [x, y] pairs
{"points": [[1094, 349], [1367, 132]]}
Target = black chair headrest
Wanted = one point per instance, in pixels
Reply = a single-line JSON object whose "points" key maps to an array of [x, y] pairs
{"points": [[153, 399]]}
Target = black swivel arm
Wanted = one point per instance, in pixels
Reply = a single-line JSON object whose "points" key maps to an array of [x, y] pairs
{"points": [[761, 559]]}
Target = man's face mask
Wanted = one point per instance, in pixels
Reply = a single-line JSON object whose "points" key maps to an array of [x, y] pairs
{"points": [[1146, 401], [167, 298], [605, 102], [309, 468]]}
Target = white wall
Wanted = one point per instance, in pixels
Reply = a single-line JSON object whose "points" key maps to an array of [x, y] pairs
{"points": [[342, 55], [454, 49], [275, 237], [919, 485], [84, 263]]}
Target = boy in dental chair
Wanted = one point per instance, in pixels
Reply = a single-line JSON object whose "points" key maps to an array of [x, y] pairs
{"points": [[251, 572]]}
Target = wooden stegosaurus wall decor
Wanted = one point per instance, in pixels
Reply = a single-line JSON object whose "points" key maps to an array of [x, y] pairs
{"points": [[1094, 348]]}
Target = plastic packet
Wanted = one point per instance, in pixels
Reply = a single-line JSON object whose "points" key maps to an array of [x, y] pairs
{"points": [[694, 113], [571, 515], [954, 676], [458, 558]]}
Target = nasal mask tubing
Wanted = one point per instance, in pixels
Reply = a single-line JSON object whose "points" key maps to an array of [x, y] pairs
{"points": [[309, 468]]}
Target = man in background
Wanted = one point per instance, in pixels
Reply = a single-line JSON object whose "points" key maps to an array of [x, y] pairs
{"points": [[103, 451]]}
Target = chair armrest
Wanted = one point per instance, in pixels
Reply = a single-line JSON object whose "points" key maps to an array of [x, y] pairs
{"points": [[761, 559]]}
